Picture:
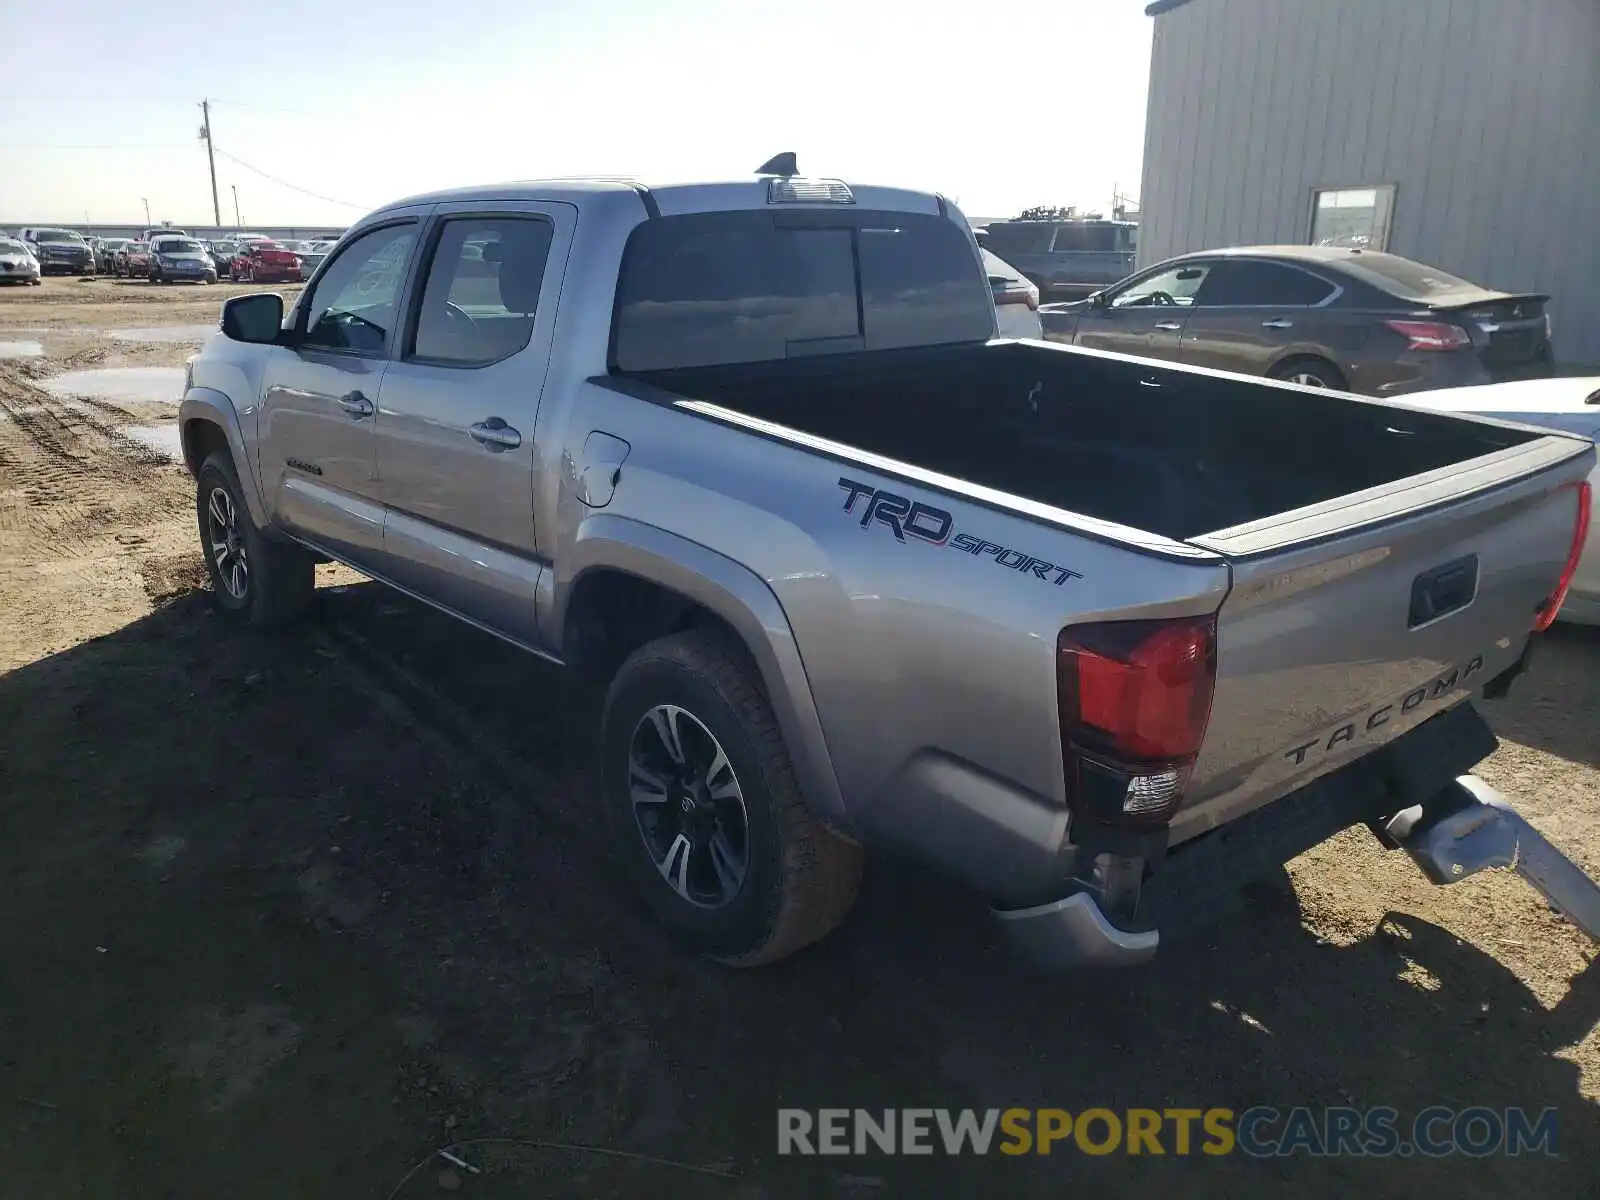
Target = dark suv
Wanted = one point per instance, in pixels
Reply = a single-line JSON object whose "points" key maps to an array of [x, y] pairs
{"points": [[61, 252], [1067, 259], [1324, 316]]}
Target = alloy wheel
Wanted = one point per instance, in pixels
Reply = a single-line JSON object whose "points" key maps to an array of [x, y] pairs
{"points": [[227, 543], [1307, 379], [688, 806]]}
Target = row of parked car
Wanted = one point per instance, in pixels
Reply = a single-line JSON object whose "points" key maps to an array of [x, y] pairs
{"points": [[167, 254], [160, 254]]}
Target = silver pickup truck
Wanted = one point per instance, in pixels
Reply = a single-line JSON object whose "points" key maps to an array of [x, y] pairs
{"points": [[1100, 638]]}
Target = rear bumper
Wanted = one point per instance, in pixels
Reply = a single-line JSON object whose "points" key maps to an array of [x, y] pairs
{"points": [[1469, 827], [1200, 882]]}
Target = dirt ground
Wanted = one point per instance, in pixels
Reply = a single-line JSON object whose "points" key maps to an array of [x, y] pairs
{"points": [[284, 914]]}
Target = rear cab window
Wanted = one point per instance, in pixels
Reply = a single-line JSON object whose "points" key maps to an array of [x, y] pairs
{"points": [[706, 289]]}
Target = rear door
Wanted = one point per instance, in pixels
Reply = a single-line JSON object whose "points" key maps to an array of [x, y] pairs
{"points": [[320, 396], [1146, 316], [1253, 314], [455, 432]]}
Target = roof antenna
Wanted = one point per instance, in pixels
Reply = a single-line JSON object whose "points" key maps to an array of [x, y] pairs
{"points": [[779, 164]]}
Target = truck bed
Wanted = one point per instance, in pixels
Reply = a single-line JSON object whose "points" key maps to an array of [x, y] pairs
{"points": [[1173, 452], [1384, 563]]}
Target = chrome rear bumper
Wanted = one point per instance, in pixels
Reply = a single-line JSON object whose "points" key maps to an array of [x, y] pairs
{"points": [[1470, 827]]}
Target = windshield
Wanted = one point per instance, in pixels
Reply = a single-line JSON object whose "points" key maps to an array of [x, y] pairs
{"points": [[7, 246], [58, 235], [113, 243], [179, 246], [223, 247]]}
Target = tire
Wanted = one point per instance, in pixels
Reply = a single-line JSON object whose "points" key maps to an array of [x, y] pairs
{"points": [[154, 275], [798, 878], [1310, 371], [278, 579]]}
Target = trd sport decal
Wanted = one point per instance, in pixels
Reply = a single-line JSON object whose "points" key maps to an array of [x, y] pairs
{"points": [[935, 526]]}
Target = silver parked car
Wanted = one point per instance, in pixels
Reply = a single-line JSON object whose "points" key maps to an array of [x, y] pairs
{"points": [[17, 263], [1100, 637]]}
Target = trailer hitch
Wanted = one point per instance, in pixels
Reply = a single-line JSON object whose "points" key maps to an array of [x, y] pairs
{"points": [[1470, 827]]}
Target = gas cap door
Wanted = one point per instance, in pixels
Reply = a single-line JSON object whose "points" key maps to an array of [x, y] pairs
{"points": [[600, 468]]}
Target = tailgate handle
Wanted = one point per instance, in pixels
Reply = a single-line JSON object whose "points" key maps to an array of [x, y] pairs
{"points": [[1443, 590]]}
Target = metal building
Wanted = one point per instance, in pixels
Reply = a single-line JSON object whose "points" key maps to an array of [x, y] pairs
{"points": [[1461, 133]]}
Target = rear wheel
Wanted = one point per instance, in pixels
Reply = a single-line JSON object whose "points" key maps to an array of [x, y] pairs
{"points": [[253, 578], [1310, 371], [706, 811]]}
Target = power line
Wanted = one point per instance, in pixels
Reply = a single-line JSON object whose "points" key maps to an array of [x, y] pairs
{"points": [[93, 146], [292, 187]]}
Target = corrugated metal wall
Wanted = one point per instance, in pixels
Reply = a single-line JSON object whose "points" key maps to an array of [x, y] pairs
{"points": [[1484, 114]]}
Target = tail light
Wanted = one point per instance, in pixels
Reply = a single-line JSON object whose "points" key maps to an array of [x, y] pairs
{"points": [[1546, 613], [1135, 698], [1432, 335]]}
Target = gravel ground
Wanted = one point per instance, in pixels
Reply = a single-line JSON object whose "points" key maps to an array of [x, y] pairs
{"points": [[286, 913]]}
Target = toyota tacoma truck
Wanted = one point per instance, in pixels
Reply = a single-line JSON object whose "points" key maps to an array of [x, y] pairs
{"points": [[1100, 638]]}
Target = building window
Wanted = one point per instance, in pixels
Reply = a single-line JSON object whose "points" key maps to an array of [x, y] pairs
{"points": [[1357, 217]]}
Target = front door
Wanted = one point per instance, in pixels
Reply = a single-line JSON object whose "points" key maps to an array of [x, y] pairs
{"points": [[456, 423], [319, 402], [1145, 316]]}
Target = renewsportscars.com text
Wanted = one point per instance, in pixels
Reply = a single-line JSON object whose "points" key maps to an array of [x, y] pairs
{"points": [[1259, 1132]]}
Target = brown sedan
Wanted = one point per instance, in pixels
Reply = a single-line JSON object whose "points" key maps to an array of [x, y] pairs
{"points": [[1324, 316]]}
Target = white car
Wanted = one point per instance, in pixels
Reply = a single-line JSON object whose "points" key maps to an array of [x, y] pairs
{"points": [[1572, 405], [17, 263], [1016, 300]]}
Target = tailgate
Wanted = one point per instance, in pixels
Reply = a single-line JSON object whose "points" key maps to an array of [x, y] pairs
{"points": [[1353, 621]]}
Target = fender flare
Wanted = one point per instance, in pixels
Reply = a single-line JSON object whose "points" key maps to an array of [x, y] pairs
{"points": [[201, 404], [737, 595]]}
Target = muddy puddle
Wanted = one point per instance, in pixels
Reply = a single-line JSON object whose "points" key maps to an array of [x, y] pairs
{"points": [[158, 384], [161, 438]]}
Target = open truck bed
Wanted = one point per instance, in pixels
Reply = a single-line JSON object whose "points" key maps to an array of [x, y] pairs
{"points": [[1384, 562]]}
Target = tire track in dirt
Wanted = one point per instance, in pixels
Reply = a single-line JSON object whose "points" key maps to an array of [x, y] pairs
{"points": [[68, 473]]}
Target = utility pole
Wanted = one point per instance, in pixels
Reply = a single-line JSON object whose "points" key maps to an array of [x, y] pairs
{"points": [[238, 221], [211, 157], [146, 203]]}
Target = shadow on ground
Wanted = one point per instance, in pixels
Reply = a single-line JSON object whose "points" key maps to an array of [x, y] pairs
{"points": [[285, 913], [1556, 703]]}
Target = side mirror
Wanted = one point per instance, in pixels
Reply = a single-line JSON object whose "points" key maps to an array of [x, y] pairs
{"points": [[257, 319], [1098, 300]]}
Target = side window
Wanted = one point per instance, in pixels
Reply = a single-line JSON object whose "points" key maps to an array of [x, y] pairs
{"points": [[1176, 285], [483, 287], [354, 304], [1266, 285]]}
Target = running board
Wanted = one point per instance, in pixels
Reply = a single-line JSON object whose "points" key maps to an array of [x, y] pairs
{"points": [[1469, 827]]}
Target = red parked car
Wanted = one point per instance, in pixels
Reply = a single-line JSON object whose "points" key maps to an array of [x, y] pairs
{"points": [[265, 262]]}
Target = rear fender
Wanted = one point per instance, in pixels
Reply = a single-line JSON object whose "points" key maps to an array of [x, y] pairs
{"points": [[735, 594], [210, 406]]}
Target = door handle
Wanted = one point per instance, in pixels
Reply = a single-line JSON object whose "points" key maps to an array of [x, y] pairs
{"points": [[1278, 323], [496, 435], [356, 405], [1171, 326]]}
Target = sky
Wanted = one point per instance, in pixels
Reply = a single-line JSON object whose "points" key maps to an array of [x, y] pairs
{"points": [[321, 112]]}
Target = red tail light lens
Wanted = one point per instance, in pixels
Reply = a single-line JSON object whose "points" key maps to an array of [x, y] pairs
{"points": [[1580, 534], [1135, 699], [1431, 335]]}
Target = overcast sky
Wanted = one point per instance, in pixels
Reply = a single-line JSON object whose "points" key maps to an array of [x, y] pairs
{"points": [[998, 103]]}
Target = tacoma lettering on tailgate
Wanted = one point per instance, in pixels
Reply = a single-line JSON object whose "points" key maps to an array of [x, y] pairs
{"points": [[1379, 717], [937, 527]]}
